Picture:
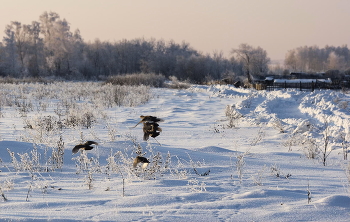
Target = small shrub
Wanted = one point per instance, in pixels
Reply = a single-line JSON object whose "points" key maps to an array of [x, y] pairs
{"points": [[344, 143], [218, 128], [239, 166], [57, 154], [155, 167], [82, 116], [258, 178], [82, 162], [2, 195], [88, 119], [48, 123], [311, 148], [276, 171], [178, 171], [232, 115], [258, 138], [89, 179], [308, 193]]}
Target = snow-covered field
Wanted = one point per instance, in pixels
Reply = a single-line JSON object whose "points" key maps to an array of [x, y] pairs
{"points": [[225, 154]]}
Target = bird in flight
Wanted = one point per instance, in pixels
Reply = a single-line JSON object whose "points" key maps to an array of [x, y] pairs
{"points": [[150, 126], [85, 146]]}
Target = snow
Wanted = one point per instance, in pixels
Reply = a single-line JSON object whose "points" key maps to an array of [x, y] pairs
{"points": [[303, 127], [203, 180]]}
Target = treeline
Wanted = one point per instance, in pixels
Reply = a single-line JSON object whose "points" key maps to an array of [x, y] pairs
{"points": [[47, 48], [315, 59]]}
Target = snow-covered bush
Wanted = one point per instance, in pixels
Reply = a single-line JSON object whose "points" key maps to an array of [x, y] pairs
{"points": [[232, 115], [240, 165], [258, 137], [57, 154], [310, 148], [276, 171]]}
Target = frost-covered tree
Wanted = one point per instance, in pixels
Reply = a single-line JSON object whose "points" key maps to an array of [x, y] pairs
{"points": [[315, 59], [59, 44], [290, 60], [254, 60], [335, 61], [260, 62], [219, 65], [10, 61], [36, 58], [21, 35], [2, 58], [22, 54]]}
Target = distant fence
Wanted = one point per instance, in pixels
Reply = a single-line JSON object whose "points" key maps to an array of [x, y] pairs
{"points": [[302, 86]]}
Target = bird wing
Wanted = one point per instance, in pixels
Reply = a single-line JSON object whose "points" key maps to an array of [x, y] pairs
{"points": [[143, 159], [154, 134], [88, 147], [77, 148], [153, 119], [90, 143], [159, 120]]}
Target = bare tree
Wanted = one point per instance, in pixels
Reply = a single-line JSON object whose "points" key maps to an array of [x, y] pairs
{"points": [[18, 42], [11, 62], [254, 60], [260, 61], [21, 34], [290, 60]]}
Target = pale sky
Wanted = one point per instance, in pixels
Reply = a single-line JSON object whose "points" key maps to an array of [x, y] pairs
{"points": [[208, 25]]}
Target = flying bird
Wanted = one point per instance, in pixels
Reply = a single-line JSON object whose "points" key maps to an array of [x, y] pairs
{"points": [[150, 126], [141, 159], [85, 146]]}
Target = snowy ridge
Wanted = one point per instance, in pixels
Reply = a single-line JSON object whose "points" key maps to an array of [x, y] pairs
{"points": [[289, 105]]}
